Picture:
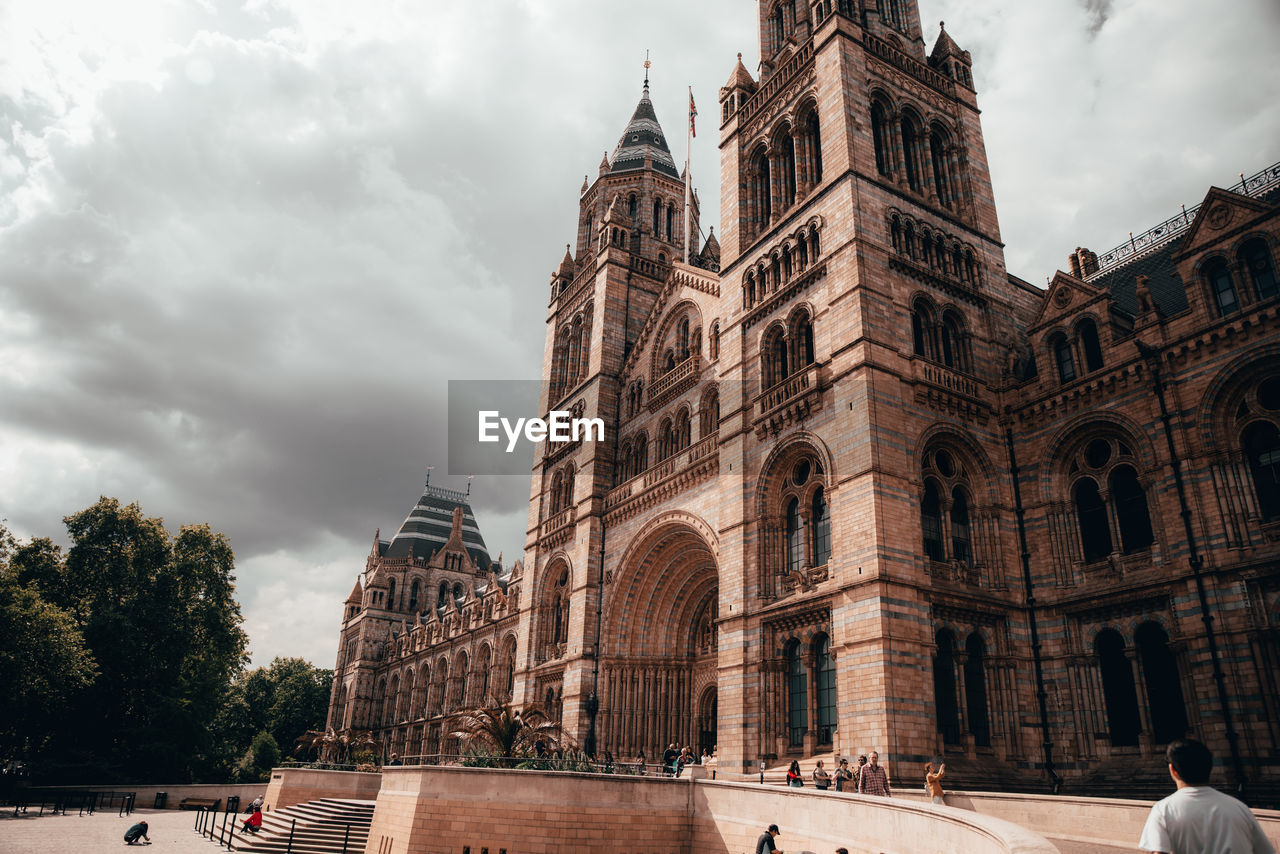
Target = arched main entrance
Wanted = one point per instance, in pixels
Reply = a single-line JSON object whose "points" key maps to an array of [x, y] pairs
{"points": [[659, 642]]}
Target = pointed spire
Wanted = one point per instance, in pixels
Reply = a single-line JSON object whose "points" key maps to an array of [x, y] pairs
{"points": [[611, 213], [643, 144], [604, 164], [377, 535], [356, 597], [585, 185], [566, 270], [711, 249], [740, 78], [946, 47]]}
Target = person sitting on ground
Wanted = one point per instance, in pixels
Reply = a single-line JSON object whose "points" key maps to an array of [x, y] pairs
{"points": [[843, 775], [765, 844], [1197, 817], [931, 781], [821, 778], [253, 823], [138, 831], [793, 775]]}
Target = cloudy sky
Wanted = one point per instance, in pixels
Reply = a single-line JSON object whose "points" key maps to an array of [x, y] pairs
{"points": [[245, 245]]}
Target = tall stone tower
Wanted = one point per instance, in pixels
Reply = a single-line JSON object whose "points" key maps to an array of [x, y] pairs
{"points": [[630, 232], [867, 309]]}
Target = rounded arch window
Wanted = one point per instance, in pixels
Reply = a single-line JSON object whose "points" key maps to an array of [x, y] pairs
{"points": [[1269, 394], [1110, 499], [946, 507]]}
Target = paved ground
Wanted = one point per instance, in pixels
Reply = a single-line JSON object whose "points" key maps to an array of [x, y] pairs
{"points": [[170, 831]]}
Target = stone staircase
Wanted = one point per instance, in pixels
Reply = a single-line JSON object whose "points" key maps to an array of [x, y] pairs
{"points": [[321, 828]]}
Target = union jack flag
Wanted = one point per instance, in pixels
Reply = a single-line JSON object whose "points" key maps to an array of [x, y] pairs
{"points": [[693, 114]]}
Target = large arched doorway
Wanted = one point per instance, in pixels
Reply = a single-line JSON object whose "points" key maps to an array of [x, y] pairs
{"points": [[658, 668]]}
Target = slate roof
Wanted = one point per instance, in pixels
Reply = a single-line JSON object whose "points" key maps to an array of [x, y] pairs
{"points": [[427, 526], [1167, 289], [642, 137]]}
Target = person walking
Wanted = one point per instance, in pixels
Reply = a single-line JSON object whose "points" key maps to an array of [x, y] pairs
{"points": [[844, 776], [138, 831], [821, 778], [794, 777], [857, 772], [873, 779], [765, 844], [932, 781], [1197, 818]]}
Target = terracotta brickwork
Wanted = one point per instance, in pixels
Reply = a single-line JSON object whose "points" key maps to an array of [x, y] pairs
{"points": [[841, 439]]}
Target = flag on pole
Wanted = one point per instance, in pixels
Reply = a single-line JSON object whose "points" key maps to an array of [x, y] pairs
{"points": [[693, 114]]}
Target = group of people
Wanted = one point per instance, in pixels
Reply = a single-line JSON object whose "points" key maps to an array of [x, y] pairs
{"points": [[868, 777], [1195, 819], [676, 757]]}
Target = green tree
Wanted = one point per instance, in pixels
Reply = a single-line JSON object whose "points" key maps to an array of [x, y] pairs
{"points": [[160, 618], [263, 755], [506, 732], [286, 698], [44, 664]]}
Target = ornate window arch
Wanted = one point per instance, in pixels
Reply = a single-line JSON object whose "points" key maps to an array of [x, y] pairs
{"points": [[1063, 357], [882, 137], [1256, 261], [950, 521], [1109, 497], [792, 540], [942, 159], [914, 140], [1221, 286], [709, 412], [774, 359], [1090, 346], [800, 334]]}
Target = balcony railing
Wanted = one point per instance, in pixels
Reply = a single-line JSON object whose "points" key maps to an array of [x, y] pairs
{"points": [[674, 381], [558, 522], [778, 79], [795, 386], [909, 64], [1255, 185], [662, 472]]}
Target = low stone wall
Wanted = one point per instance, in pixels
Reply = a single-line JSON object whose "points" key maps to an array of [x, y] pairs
{"points": [[731, 816], [289, 786], [147, 793], [432, 810], [1111, 821]]}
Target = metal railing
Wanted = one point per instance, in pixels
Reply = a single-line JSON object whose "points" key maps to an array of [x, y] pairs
{"points": [[84, 801], [1254, 185]]}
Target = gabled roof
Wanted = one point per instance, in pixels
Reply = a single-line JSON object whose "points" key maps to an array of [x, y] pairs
{"points": [[643, 138], [1222, 211], [1065, 296], [428, 524]]}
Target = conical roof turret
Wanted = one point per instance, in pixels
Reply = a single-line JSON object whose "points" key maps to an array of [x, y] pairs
{"points": [[356, 596], [741, 78], [711, 249], [945, 47], [566, 264], [643, 140]]}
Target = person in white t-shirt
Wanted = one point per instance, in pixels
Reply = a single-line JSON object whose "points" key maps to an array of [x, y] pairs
{"points": [[1197, 817]]}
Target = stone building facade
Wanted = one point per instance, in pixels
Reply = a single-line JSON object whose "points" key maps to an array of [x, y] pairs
{"points": [[861, 486]]}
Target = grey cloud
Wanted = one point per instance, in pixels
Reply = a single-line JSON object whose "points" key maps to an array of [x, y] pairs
{"points": [[236, 292]]}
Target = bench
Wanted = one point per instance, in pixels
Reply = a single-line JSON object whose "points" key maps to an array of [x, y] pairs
{"points": [[210, 804]]}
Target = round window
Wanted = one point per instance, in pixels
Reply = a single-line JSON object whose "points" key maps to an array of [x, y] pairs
{"points": [[800, 475], [1098, 452]]}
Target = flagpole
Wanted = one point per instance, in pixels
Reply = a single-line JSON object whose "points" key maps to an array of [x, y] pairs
{"points": [[688, 168]]}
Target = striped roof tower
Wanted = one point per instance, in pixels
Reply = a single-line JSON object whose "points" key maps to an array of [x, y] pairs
{"points": [[643, 138], [427, 527]]}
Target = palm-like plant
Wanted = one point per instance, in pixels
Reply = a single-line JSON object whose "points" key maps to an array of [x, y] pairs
{"points": [[507, 732]]}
